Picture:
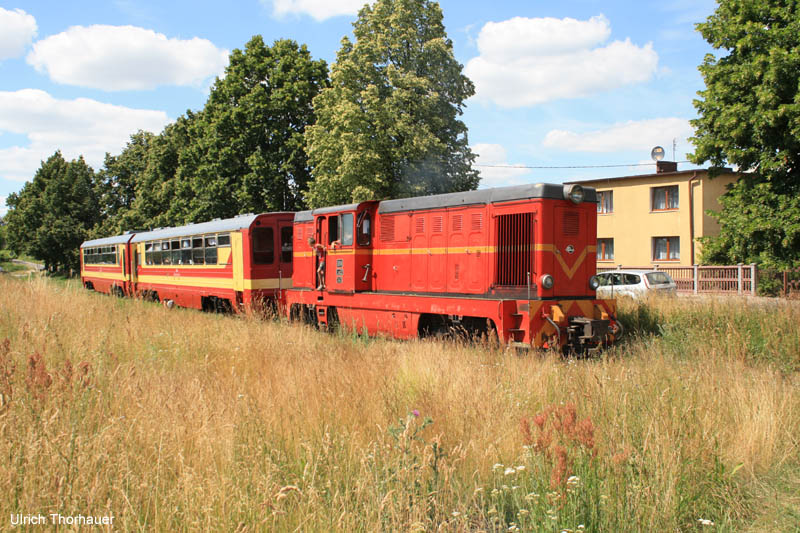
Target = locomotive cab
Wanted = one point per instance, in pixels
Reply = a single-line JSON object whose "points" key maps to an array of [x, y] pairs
{"points": [[345, 232]]}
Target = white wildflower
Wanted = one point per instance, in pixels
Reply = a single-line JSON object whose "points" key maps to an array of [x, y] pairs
{"points": [[705, 522], [510, 471], [456, 514], [520, 468], [497, 466]]}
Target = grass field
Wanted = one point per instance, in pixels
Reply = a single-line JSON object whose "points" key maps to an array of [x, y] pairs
{"points": [[179, 420]]}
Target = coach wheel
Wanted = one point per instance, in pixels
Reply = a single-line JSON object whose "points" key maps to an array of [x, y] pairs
{"points": [[117, 291], [89, 286]]}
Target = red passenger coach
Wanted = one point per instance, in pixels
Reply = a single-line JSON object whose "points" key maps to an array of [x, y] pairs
{"points": [[519, 261], [105, 265], [230, 264]]}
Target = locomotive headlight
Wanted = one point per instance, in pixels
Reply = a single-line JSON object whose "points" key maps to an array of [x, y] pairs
{"points": [[573, 193], [594, 282], [547, 281]]}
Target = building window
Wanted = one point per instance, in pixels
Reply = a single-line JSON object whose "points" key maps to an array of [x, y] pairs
{"points": [[665, 198], [605, 249], [666, 249], [605, 202]]}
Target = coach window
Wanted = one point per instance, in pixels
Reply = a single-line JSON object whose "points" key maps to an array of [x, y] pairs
{"points": [[175, 247], [286, 244], [223, 240], [186, 251], [148, 253], [198, 256], [156, 253], [263, 246], [364, 228], [166, 255], [211, 249]]}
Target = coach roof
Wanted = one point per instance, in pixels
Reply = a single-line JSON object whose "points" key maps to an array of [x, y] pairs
{"points": [[106, 241], [482, 197], [214, 226]]}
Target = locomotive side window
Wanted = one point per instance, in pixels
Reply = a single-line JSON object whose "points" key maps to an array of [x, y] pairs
{"points": [[286, 244], [364, 228], [333, 229], [263, 246], [347, 229]]}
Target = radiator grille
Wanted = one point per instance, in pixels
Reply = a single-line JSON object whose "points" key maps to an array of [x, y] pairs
{"points": [[387, 228], [571, 223], [514, 249]]}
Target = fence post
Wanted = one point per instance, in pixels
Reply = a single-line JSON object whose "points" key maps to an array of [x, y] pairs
{"points": [[753, 279], [786, 283], [696, 282], [739, 276]]}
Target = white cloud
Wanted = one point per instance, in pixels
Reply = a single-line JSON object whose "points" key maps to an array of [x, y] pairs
{"points": [[119, 58], [319, 10], [529, 61], [19, 29], [76, 127], [641, 135], [498, 172]]}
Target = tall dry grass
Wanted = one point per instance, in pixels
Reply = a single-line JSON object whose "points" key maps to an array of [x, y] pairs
{"points": [[178, 420]]}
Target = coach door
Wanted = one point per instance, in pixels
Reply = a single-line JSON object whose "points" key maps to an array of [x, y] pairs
{"points": [[285, 234]]}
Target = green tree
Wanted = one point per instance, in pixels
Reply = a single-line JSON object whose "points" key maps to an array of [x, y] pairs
{"points": [[247, 146], [117, 182], [749, 116], [388, 125], [52, 214]]}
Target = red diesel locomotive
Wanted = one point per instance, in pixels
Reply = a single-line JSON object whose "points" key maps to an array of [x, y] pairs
{"points": [[519, 261], [515, 261]]}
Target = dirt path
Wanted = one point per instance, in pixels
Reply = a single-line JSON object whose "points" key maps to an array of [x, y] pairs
{"points": [[33, 266]]}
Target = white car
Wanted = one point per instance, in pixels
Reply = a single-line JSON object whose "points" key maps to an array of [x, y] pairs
{"points": [[634, 283]]}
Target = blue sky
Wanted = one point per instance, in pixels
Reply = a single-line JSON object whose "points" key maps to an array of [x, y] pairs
{"points": [[558, 84]]}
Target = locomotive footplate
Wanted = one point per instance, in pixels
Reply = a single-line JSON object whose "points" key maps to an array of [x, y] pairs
{"points": [[584, 331]]}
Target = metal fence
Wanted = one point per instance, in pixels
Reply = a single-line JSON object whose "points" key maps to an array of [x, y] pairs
{"points": [[791, 283], [730, 279]]}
